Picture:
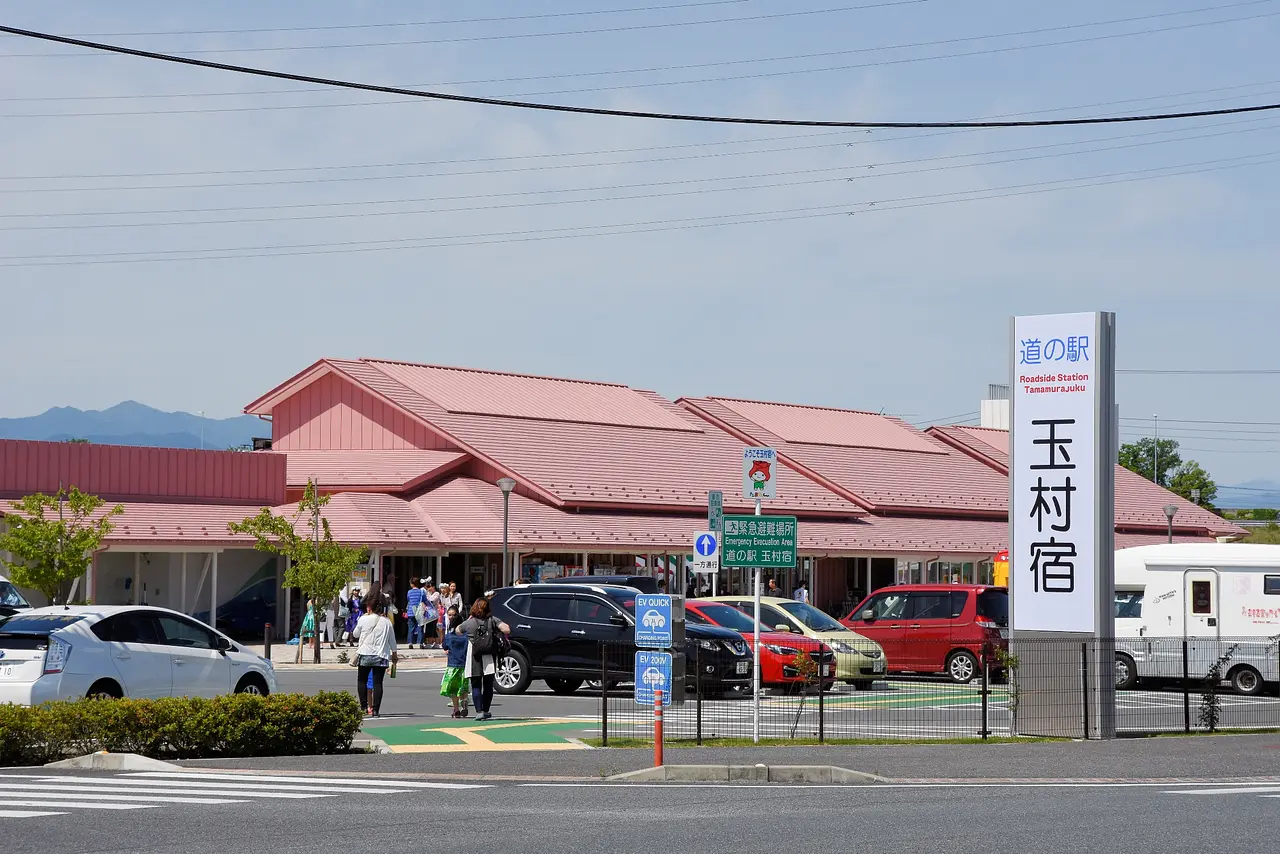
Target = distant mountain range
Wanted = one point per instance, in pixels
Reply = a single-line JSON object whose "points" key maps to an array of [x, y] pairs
{"points": [[133, 423], [1254, 493]]}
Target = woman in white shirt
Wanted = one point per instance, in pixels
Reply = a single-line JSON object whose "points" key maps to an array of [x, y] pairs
{"points": [[375, 654]]}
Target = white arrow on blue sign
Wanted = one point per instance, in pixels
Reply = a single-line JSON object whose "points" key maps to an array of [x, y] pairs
{"points": [[705, 545]]}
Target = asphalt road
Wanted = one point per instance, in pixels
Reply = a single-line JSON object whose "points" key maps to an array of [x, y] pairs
{"points": [[367, 813]]}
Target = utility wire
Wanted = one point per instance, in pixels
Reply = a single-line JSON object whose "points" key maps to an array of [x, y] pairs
{"points": [[650, 226], [723, 63], [510, 36], [644, 196], [1202, 421], [1224, 372], [601, 111], [503, 18]]}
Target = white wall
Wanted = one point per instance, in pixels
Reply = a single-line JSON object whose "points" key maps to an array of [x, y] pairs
{"points": [[161, 573]]}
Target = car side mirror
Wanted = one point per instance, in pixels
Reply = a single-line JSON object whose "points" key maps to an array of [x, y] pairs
{"points": [[869, 615], [221, 644], [782, 627], [617, 619]]}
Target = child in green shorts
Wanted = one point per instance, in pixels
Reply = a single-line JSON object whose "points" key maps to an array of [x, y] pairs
{"points": [[454, 684]]}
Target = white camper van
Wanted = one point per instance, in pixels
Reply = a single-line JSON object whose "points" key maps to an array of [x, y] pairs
{"points": [[1218, 597]]}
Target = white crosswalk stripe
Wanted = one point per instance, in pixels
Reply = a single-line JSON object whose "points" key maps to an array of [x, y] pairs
{"points": [[34, 795], [1265, 791]]}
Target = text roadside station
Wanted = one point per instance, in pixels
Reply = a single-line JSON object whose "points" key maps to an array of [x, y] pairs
{"points": [[764, 542]]}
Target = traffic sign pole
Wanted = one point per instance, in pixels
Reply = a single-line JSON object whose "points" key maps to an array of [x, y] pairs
{"points": [[755, 680], [657, 728]]}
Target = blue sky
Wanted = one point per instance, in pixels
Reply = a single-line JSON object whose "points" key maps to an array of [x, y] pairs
{"points": [[481, 244]]}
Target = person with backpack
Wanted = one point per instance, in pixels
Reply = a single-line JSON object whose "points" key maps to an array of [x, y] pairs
{"points": [[415, 613], [488, 641]]}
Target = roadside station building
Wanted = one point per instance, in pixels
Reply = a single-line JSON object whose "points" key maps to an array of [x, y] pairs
{"points": [[609, 479]]}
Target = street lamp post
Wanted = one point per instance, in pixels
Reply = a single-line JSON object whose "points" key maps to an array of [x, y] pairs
{"points": [[1169, 511], [506, 484]]}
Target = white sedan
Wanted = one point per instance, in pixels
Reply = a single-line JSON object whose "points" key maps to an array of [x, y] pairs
{"points": [[65, 653]]}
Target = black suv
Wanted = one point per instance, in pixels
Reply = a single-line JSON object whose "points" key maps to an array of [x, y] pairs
{"points": [[559, 633]]}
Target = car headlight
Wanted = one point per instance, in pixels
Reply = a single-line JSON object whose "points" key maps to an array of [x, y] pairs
{"points": [[781, 650], [707, 644], [842, 648], [267, 662]]}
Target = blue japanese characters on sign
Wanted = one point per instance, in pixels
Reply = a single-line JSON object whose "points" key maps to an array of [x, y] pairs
{"points": [[653, 673], [653, 620], [1034, 351]]}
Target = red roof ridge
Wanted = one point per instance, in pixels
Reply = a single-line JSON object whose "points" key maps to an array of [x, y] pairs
{"points": [[798, 406], [408, 364]]}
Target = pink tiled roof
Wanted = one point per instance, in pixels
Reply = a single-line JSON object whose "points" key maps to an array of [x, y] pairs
{"points": [[670, 464], [468, 512], [370, 519], [1129, 540], [1139, 502], [156, 524], [921, 474], [395, 470]]}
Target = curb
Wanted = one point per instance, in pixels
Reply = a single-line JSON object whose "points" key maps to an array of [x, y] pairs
{"points": [[370, 745], [105, 761], [795, 774]]}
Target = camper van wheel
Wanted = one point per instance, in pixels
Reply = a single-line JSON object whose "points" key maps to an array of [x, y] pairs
{"points": [[1126, 672], [1245, 680]]}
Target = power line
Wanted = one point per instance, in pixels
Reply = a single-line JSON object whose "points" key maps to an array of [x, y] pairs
{"points": [[650, 226], [1203, 421], [511, 36], [439, 23], [641, 185], [1203, 372], [721, 63], [601, 111]]}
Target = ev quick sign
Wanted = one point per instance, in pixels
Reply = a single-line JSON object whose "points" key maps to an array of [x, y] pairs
{"points": [[653, 621], [1063, 457]]}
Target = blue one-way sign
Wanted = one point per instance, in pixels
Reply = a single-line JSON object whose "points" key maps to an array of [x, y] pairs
{"points": [[653, 620], [653, 673], [705, 545]]}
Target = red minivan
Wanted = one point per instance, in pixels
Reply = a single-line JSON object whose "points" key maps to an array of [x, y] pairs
{"points": [[934, 628]]}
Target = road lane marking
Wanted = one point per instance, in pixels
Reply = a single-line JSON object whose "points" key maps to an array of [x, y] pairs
{"points": [[74, 805], [247, 787], [1247, 790], [91, 791], [26, 814], [193, 776]]}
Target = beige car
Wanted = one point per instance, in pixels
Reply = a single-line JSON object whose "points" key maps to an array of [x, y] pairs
{"points": [[859, 660]]}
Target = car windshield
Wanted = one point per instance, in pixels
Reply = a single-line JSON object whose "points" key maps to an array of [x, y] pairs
{"points": [[37, 624], [624, 599], [729, 618], [994, 606], [812, 618], [10, 597], [1128, 604]]}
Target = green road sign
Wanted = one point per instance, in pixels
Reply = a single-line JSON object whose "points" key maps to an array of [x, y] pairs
{"points": [[759, 541]]}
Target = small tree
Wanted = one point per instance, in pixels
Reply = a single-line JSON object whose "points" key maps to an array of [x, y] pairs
{"points": [[1193, 483], [1143, 456], [318, 566], [1210, 703], [52, 538]]}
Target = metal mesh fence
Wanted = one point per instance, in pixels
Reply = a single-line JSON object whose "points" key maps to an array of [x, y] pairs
{"points": [[1037, 687]]}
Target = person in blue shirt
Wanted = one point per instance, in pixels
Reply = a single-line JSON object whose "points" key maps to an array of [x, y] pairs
{"points": [[454, 684]]}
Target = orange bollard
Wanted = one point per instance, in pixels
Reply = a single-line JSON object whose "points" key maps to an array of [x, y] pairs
{"points": [[657, 729]]}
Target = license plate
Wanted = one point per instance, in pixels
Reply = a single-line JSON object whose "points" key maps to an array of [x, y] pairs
{"points": [[879, 666], [6, 672], [831, 670], [744, 666]]}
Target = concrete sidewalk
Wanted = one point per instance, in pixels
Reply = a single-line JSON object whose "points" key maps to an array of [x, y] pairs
{"points": [[1187, 758]]}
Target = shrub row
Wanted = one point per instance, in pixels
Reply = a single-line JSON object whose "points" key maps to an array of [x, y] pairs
{"points": [[180, 727]]}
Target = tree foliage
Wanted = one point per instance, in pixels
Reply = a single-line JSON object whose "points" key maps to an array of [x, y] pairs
{"points": [[1190, 477], [1268, 534], [318, 566], [52, 538], [1140, 458]]}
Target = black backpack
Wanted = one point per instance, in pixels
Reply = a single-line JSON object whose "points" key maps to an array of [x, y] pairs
{"points": [[486, 640]]}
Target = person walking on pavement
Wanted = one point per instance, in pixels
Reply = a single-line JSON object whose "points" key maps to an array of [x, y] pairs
{"points": [[377, 651], [449, 598], [482, 631], [433, 636], [354, 610], [415, 617], [454, 684], [802, 592]]}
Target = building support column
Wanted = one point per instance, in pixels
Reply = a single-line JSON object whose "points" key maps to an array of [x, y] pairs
{"points": [[586, 563], [184, 585], [213, 594], [137, 578]]}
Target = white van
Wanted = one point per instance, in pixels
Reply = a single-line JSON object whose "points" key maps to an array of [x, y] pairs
{"points": [[11, 601], [1219, 597]]}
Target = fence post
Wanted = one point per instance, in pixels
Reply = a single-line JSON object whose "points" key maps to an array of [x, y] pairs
{"points": [[986, 685], [1186, 688], [822, 693], [697, 689], [604, 695], [266, 641], [657, 728], [1084, 685]]}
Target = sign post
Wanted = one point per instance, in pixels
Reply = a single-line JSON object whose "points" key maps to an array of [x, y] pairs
{"points": [[1063, 453], [759, 542], [715, 523]]}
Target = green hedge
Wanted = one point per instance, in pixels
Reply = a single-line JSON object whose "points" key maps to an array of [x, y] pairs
{"points": [[180, 727]]}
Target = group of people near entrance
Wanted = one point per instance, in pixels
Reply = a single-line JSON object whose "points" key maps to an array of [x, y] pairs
{"points": [[474, 643]]}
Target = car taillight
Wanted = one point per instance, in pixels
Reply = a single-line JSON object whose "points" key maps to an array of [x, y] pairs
{"points": [[987, 624], [56, 656]]}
